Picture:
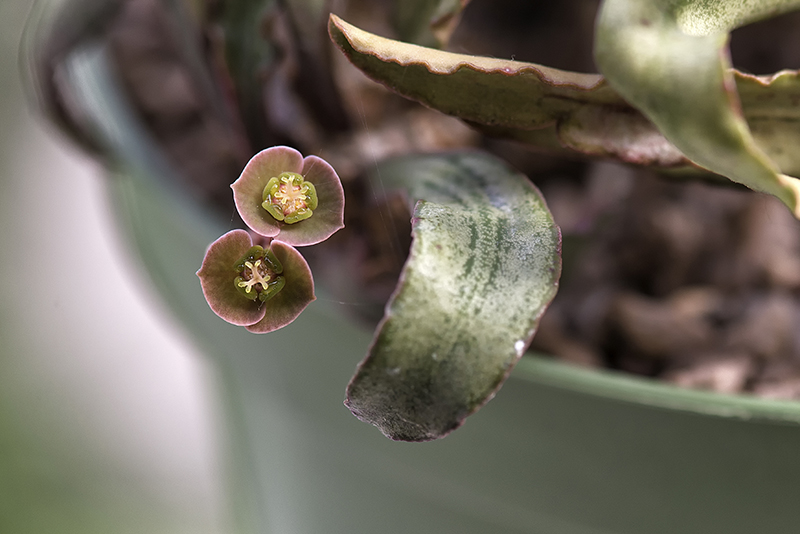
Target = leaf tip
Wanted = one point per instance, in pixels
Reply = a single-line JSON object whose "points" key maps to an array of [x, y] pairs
{"points": [[335, 30]]}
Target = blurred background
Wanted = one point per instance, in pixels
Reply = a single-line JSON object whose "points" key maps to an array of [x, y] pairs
{"points": [[107, 413], [110, 419]]}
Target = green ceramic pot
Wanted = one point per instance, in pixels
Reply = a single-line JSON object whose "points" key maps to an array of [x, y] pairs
{"points": [[560, 450]]}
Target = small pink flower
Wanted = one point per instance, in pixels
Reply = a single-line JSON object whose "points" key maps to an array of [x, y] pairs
{"points": [[260, 288], [280, 194]]}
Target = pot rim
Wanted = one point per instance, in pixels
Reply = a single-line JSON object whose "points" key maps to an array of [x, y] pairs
{"points": [[623, 387]]}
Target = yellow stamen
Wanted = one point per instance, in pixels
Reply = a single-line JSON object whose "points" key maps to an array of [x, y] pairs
{"points": [[257, 275]]}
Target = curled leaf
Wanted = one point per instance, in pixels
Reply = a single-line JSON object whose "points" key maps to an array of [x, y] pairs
{"points": [[484, 264]]}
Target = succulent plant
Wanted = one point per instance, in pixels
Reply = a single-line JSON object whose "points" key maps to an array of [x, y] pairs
{"points": [[486, 254]]}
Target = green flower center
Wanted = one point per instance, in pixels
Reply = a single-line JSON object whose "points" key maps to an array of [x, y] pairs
{"points": [[259, 275], [289, 198]]}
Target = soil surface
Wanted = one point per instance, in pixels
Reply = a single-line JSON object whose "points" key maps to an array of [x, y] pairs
{"points": [[695, 284]]}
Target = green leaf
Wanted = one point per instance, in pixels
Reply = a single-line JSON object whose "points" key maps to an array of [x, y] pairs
{"points": [[670, 60], [427, 22], [545, 107], [566, 111], [479, 89], [313, 79], [483, 266], [771, 105], [249, 58]]}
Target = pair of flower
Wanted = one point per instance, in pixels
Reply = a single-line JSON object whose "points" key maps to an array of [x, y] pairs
{"points": [[287, 201]]}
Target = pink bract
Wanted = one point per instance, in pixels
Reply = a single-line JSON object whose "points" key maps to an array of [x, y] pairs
{"points": [[217, 275], [328, 217]]}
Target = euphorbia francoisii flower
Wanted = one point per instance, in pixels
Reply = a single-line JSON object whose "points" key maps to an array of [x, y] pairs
{"points": [[260, 288], [281, 194]]}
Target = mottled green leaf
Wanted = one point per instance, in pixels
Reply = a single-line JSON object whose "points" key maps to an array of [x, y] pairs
{"points": [[483, 266], [670, 60], [427, 22]]}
